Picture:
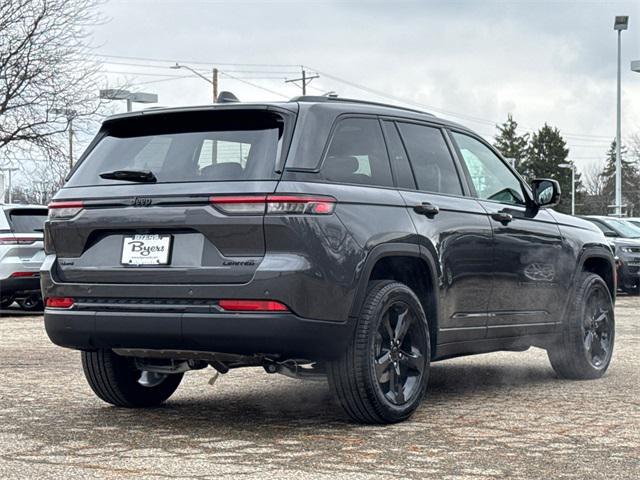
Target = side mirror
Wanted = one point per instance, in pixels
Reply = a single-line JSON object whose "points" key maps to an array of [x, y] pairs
{"points": [[611, 234], [546, 192]]}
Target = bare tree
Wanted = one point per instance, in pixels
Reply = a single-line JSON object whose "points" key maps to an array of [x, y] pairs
{"points": [[634, 146], [47, 77], [594, 200], [594, 182]]}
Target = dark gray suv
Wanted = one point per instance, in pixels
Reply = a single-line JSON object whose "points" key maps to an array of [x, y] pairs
{"points": [[314, 237]]}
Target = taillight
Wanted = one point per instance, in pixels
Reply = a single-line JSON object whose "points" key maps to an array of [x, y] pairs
{"points": [[63, 210], [240, 204], [275, 204], [59, 302], [13, 240], [24, 274], [252, 306]]}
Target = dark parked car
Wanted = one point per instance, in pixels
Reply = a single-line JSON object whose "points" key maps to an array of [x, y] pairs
{"points": [[625, 238], [319, 236]]}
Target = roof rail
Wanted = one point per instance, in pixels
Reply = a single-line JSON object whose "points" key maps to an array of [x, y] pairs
{"points": [[323, 98]]}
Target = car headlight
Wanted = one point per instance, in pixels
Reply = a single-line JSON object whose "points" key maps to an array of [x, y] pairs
{"points": [[626, 249]]}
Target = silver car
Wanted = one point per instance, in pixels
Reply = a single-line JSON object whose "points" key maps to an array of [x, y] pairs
{"points": [[21, 254]]}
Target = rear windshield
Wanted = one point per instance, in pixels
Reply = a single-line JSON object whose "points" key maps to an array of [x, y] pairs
{"points": [[187, 147], [27, 220]]}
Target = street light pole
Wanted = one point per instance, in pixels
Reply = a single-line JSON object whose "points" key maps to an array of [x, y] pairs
{"points": [[573, 184], [130, 97], [70, 143], [70, 114], [621, 23], [213, 81]]}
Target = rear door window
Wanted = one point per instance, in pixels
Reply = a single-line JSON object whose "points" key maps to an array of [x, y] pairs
{"points": [[211, 146], [431, 159], [357, 154], [27, 220]]}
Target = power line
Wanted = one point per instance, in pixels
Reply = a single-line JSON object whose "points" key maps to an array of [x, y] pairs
{"points": [[197, 62], [254, 85], [165, 67], [471, 118], [168, 75]]}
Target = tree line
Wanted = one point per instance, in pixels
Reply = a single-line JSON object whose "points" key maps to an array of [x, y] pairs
{"points": [[540, 154]]}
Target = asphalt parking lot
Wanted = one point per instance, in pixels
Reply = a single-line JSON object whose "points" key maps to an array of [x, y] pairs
{"points": [[502, 415]]}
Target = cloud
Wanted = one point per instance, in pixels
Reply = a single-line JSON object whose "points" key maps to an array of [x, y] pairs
{"points": [[544, 61]]}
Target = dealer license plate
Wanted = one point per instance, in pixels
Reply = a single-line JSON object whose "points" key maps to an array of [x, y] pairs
{"points": [[146, 250]]}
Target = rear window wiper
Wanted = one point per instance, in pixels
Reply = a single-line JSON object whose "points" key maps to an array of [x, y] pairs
{"points": [[143, 176]]}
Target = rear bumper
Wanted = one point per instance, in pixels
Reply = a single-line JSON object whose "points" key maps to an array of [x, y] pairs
{"points": [[16, 286], [282, 334]]}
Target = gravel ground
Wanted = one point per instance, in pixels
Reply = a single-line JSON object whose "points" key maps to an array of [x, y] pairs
{"points": [[501, 415]]}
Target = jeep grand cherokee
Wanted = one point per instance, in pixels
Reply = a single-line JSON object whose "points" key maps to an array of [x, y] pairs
{"points": [[319, 236]]}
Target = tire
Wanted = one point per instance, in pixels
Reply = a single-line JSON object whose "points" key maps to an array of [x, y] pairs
{"points": [[6, 302], [384, 397], [114, 379], [585, 347], [31, 303]]}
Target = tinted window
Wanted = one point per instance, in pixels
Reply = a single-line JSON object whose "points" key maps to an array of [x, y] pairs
{"points": [[399, 160], [27, 220], [220, 146], [430, 158], [623, 228], [491, 178], [603, 227], [357, 154]]}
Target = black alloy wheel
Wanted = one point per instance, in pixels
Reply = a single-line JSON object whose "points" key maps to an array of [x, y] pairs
{"points": [[584, 347], [399, 351], [598, 328], [383, 374]]}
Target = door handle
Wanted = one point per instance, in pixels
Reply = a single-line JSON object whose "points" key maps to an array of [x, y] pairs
{"points": [[502, 217], [426, 209]]}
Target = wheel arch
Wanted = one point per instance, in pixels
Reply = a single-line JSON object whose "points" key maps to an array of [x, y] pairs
{"points": [[601, 264], [405, 263]]}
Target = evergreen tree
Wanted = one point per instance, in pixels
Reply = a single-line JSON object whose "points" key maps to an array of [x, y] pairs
{"points": [[509, 143], [630, 179], [546, 151]]}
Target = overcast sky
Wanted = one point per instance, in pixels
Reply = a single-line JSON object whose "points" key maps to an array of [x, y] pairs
{"points": [[469, 61]]}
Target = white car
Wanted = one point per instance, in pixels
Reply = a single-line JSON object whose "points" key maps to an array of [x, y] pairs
{"points": [[21, 254]]}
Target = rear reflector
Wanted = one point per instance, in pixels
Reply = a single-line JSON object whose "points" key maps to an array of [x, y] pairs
{"points": [[274, 204], [24, 274], [62, 210], [252, 306], [59, 302], [13, 240]]}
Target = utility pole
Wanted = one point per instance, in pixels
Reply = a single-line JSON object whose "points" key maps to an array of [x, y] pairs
{"points": [[306, 80], [213, 81], [215, 85]]}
